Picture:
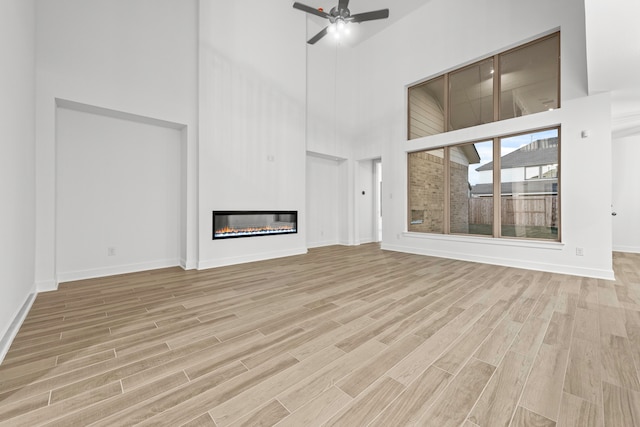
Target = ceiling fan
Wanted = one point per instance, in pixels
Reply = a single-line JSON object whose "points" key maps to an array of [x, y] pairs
{"points": [[339, 17]]}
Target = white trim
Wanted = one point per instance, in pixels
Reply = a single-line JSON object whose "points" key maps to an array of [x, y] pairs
{"points": [[322, 243], [46, 286], [629, 249], [221, 262], [527, 265], [368, 239], [115, 270], [538, 244], [7, 339], [188, 264], [117, 114]]}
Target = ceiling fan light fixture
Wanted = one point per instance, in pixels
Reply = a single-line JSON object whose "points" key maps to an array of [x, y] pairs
{"points": [[339, 18]]}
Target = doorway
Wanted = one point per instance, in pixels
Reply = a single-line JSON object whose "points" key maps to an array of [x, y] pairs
{"points": [[625, 201], [377, 166]]}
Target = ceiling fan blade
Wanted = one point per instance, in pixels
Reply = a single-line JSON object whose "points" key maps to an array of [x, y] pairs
{"points": [[318, 36], [311, 10], [370, 16], [343, 4]]}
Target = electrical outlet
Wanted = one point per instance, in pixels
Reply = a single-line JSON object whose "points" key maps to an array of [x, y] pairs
{"points": [[111, 251], [579, 252]]}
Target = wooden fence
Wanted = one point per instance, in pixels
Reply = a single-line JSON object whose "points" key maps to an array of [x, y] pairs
{"points": [[525, 210]]}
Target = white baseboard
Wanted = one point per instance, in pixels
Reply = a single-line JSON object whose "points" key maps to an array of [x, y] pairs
{"points": [[527, 265], [46, 286], [221, 262], [322, 243], [70, 276], [365, 241], [7, 339], [628, 249], [188, 264]]}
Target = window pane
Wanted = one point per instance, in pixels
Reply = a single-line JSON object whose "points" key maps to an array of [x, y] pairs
{"points": [[426, 108], [471, 95], [549, 171], [529, 79], [426, 191], [471, 182], [529, 204], [532, 172]]}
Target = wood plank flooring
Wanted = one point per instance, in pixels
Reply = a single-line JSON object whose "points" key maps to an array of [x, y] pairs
{"points": [[342, 336]]}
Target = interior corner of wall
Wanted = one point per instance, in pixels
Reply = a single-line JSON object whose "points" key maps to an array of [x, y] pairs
{"points": [[188, 264], [46, 286]]}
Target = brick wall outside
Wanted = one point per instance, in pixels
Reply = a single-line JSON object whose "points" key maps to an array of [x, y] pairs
{"points": [[459, 198], [426, 192]]}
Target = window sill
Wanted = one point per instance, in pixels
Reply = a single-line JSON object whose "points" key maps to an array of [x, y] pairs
{"points": [[537, 244]]}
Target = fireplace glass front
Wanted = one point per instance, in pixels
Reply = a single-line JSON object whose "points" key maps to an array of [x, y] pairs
{"points": [[231, 224]]}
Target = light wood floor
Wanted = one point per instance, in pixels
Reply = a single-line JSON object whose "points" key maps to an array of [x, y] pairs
{"points": [[348, 336]]}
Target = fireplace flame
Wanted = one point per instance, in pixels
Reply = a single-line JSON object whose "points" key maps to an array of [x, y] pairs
{"points": [[227, 231]]}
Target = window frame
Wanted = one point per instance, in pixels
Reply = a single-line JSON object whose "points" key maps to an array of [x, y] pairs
{"points": [[497, 187], [497, 90]]}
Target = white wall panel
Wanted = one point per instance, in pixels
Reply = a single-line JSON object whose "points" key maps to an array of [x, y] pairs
{"points": [[17, 157], [118, 195], [135, 57], [323, 201], [365, 201], [626, 194], [252, 151]]}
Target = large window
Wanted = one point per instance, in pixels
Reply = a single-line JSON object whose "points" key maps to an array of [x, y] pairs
{"points": [[502, 187], [518, 82], [529, 199]]}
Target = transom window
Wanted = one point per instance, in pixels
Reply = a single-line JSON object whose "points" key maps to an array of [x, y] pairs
{"points": [[518, 82]]}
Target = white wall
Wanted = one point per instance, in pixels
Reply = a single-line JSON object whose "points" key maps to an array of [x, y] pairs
{"points": [[323, 201], [365, 202], [252, 152], [331, 91], [382, 125], [332, 119], [138, 57], [118, 187], [17, 184], [626, 194]]}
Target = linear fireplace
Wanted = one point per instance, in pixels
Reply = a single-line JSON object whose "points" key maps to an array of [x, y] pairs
{"points": [[231, 224]]}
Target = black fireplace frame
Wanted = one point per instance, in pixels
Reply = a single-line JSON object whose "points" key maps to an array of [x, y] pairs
{"points": [[293, 214]]}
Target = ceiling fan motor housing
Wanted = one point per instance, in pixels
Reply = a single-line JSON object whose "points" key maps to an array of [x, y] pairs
{"points": [[342, 13]]}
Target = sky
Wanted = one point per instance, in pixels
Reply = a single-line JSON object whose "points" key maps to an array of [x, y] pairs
{"points": [[510, 144]]}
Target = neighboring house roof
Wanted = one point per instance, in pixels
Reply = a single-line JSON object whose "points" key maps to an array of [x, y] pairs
{"points": [[539, 152], [535, 186], [471, 153]]}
